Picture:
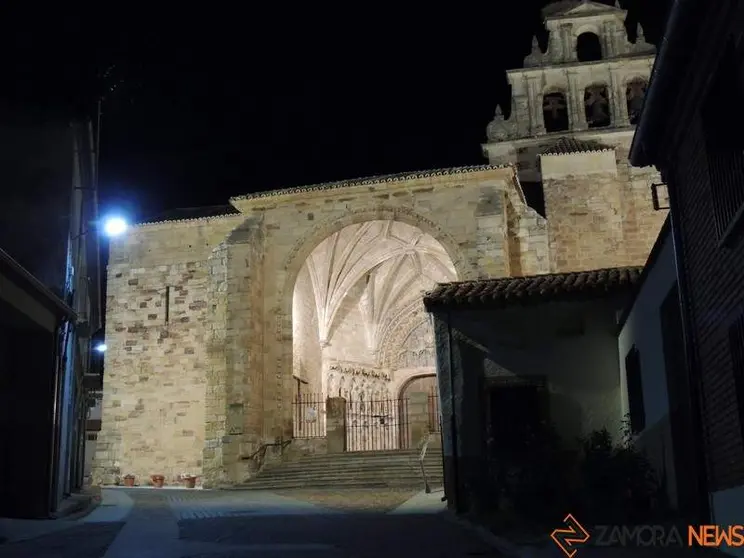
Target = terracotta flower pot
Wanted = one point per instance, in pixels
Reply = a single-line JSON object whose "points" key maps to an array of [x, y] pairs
{"points": [[190, 482], [158, 480], [129, 481]]}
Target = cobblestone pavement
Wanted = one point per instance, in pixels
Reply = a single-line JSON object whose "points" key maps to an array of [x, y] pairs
{"points": [[207, 524], [371, 500]]}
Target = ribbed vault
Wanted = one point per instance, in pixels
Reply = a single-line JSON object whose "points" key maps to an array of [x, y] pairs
{"points": [[387, 264]]}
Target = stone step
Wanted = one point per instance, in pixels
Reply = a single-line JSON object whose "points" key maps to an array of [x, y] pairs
{"points": [[279, 472], [362, 469], [412, 482], [382, 474], [362, 458], [311, 466]]}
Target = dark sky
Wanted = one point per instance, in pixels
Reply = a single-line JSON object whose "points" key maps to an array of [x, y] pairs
{"points": [[211, 104]]}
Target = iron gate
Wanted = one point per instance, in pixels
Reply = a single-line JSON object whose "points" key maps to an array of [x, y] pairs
{"points": [[377, 425], [309, 415]]}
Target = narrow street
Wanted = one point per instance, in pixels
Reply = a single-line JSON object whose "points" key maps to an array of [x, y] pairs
{"points": [[222, 524]]}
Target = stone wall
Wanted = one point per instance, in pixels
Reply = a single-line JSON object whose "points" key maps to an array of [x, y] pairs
{"points": [[308, 355], [158, 319], [197, 392], [600, 211]]}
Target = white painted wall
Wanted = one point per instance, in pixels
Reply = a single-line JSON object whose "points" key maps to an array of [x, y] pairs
{"points": [[572, 344], [642, 328]]}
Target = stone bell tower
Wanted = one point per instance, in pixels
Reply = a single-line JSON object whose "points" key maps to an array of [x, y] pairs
{"points": [[569, 128]]}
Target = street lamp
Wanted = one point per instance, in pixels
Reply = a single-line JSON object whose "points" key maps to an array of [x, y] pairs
{"points": [[114, 226], [101, 348]]}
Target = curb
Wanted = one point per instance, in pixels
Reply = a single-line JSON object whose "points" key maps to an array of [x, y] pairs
{"points": [[79, 505]]}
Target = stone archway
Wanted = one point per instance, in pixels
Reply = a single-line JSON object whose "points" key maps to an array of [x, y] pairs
{"points": [[420, 383], [356, 286], [301, 251]]}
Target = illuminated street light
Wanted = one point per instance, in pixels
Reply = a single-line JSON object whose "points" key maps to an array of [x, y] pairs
{"points": [[114, 226], [101, 348]]}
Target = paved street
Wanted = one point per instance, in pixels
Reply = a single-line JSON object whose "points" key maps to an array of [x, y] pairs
{"points": [[205, 524]]}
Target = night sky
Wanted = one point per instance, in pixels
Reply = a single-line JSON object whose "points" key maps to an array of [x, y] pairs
{"points": [[212, 103]]}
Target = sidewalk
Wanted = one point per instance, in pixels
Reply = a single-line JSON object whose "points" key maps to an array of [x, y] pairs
{"points": [[94, 506], [423, 503]]}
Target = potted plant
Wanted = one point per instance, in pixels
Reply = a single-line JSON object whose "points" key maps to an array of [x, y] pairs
{"points": [[158, 480], [129, 480], [190, 481]]}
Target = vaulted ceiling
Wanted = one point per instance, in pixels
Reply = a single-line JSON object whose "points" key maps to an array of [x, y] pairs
{"points": [[392, 263]]}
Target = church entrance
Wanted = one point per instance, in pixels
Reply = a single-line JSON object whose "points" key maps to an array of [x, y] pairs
{"points": [[360, 330]]}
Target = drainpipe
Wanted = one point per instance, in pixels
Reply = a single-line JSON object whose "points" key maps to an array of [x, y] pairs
{"points": [[453, 418], [694, 379]]}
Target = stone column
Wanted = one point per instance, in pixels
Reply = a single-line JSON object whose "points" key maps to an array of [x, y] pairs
{"points": [[418, 418], [577, 114], [534, 97], [336, 424], [554, 53], [608, 40], [569, 47], [620, 116]]}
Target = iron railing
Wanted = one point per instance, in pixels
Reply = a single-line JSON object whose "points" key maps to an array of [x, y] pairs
{"points": [[377, 425], [309, 412]]}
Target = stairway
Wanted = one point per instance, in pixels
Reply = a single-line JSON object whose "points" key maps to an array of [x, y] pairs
{"points": [[364, 469]]}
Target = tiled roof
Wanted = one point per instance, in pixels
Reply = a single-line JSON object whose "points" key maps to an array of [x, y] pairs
{"points": [[485, 293], [370, 180], [566, 146], [191, 213]]}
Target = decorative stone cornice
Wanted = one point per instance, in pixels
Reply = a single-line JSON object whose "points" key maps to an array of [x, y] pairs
{"points": [[357, 370], [369, 181], [192, 220]]}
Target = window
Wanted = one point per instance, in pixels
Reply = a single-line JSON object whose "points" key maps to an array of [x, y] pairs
{"points": [[597, 106], [635, 391], [635, 95], [736, 346], [725, 151], [555, 112]]}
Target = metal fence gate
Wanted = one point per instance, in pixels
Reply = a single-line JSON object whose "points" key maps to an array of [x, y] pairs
{"points": [[309, 410], [377, 425]]}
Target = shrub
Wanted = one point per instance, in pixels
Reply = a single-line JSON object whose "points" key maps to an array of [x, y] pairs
{"points": [[601, 481]]}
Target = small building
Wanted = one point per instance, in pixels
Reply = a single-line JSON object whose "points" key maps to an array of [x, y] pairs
{"points": [[31, 369], [49, 230], [690, 131], [514, 352]]}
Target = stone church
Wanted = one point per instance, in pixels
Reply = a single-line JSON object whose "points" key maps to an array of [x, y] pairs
{"points": [[218, 318]]}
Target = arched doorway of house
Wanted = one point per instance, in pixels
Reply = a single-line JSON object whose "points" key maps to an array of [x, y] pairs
{"points": [[424, 383], [356, 317]]}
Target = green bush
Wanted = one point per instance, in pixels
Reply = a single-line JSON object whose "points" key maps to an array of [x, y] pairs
{"points": [[597, 479]]}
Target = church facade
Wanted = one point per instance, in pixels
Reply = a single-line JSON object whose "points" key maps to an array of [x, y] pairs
{"points": [[217, 320]]}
